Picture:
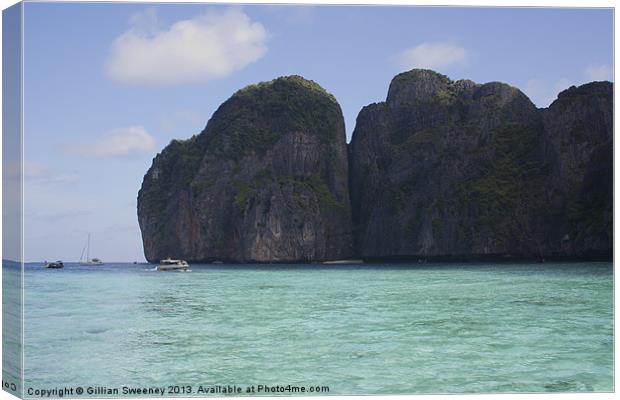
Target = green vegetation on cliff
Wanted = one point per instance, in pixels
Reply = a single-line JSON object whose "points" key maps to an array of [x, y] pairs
{"points": [[255, 117]]}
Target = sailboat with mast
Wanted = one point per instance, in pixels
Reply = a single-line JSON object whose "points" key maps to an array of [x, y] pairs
{"points": [[89, 261]]}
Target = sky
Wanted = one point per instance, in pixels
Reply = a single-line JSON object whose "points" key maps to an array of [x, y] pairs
{"points": [[108, 85]]}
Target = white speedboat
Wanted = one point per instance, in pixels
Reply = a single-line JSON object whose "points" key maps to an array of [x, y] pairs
{"points": [[172, 265]]}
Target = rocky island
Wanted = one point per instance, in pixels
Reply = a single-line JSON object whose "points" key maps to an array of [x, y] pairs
{"points": [[442, 169], [266, 181], [455, 169]]}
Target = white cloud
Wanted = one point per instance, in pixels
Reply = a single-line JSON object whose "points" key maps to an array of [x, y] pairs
{"points": [[132, 140], [431, 55], [208, 46], [599, 72]]}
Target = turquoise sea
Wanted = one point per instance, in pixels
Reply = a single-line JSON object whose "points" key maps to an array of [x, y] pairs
{"points": [[362, 329]]}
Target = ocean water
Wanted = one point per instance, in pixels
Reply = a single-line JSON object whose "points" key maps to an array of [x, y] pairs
{"points": [[366, 329]]}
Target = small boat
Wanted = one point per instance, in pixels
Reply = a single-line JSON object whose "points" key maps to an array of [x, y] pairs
{"points": [[89, 261], [57, 264], [92, 261], [343, 262], [172, 265]]}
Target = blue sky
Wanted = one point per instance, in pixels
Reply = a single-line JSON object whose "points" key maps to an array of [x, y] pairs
{"points": [[108, 85]]}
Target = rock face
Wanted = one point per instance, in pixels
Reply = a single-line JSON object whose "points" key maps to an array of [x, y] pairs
{"points": [[266, 181], [456, 169], [578, 131]]}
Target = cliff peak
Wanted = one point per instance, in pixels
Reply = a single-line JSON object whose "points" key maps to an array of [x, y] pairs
{"points": [[587, 90], [419, 84], [286, 83]]}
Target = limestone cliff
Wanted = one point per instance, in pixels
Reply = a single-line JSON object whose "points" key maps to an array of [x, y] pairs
{"points": [[266, 181], [579, 147], [455, 169]]}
